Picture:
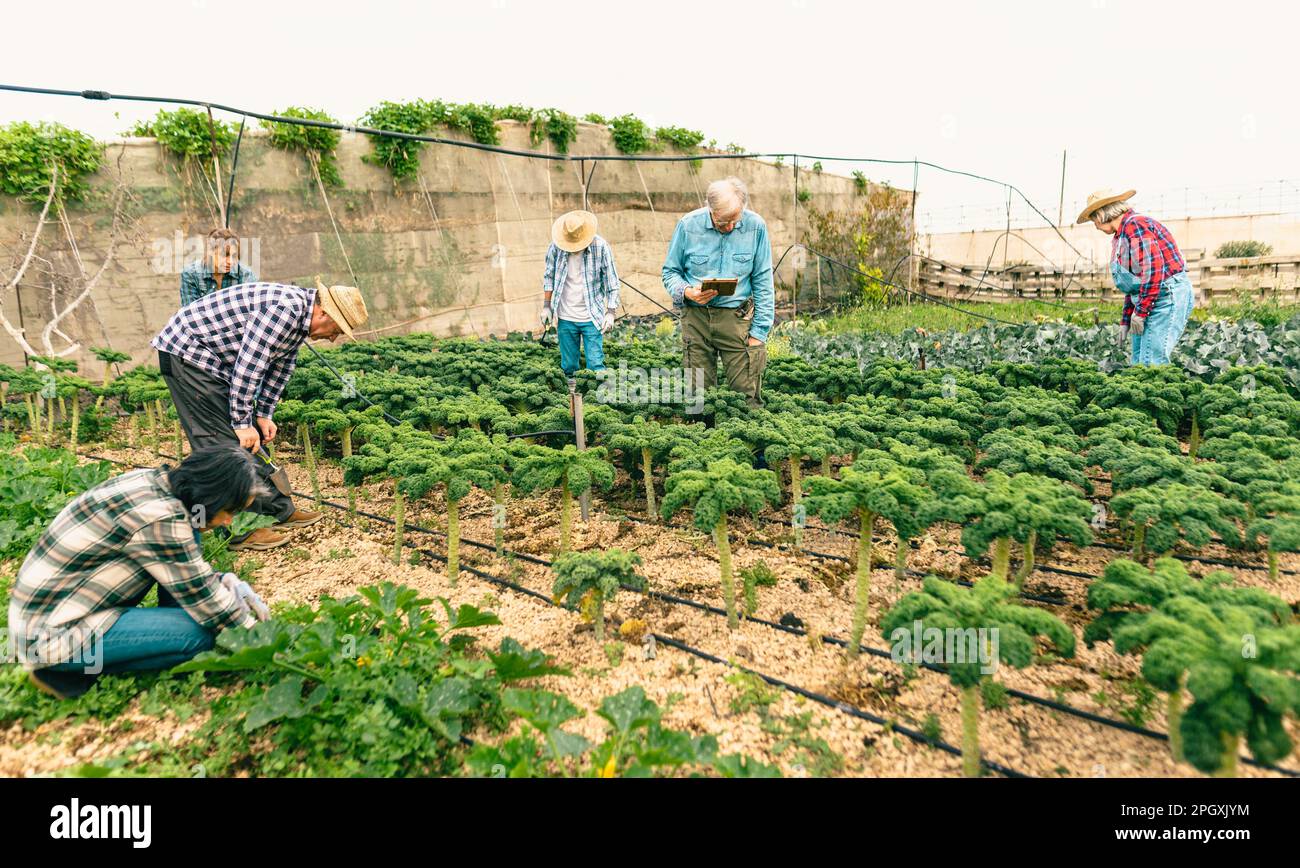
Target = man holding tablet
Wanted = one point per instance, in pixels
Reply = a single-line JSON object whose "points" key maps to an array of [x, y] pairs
{"points": [[719, 270]]}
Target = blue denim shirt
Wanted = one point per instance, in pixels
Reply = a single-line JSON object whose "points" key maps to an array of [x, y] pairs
{"points": [[197, 279], [699, 251]]}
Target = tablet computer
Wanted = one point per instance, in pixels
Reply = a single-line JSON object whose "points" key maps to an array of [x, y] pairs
{"points": [[720, 285]]}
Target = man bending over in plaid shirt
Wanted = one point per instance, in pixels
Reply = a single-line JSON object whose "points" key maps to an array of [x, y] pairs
{"points": [[74, 611], [226, 359]]}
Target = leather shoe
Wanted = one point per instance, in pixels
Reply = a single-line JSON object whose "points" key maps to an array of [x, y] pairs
{"points": [[300, 518], [260, 540]]}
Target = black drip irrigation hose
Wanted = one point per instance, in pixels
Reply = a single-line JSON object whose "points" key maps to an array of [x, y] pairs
{"points": [[1031, 698], [1037, 598], [622, 281], [846, 708]]}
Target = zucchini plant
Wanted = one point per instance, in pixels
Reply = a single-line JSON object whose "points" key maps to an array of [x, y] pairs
{"points": [[723, 487], [570, 470], [986, 610], [595, 576], [865, 492]]}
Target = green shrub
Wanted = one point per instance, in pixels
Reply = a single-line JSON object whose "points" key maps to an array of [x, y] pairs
{"points": [[318, 143], [28, 151], [188, 133], [679, 137], [630, 133], [1237, 249]]}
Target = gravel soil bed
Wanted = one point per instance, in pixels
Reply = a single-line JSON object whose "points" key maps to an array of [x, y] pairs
{"points": [[802, 737]]}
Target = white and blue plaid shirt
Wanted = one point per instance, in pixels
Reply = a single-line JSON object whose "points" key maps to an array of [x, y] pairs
{"points": [[598, 271], [247, 335]]}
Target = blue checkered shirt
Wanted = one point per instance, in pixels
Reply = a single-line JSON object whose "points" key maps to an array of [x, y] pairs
{"points": [[597, 270], [247, 335]]}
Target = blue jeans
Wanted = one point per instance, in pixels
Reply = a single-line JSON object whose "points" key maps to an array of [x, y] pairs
{"points": [[146, 639], [1165, 323], [593, 344]]}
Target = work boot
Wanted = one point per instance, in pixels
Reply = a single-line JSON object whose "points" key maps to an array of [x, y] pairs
{"points": [[61, 685], [260, 540], [300, 518]]}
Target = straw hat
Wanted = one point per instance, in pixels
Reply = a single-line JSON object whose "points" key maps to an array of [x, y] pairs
{"points": [[1100, 199], [574, 231], [344, 305]]}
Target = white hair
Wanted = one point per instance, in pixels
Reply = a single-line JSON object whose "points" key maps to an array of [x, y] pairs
{"points": [[1107, 213], [726, 192]]}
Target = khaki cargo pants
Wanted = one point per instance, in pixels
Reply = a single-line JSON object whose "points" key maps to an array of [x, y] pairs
{"points": [[708, 332]]}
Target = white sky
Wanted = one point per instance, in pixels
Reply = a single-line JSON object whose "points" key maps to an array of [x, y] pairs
{"points": [[1156, 95]]}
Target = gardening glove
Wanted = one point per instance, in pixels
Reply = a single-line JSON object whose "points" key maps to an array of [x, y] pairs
{"points": [[1124, 343], [609, 321], [547, 315], [246, 596], [1138, 324]]}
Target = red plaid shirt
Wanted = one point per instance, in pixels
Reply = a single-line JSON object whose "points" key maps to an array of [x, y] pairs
{"points": [[1145, 248]]}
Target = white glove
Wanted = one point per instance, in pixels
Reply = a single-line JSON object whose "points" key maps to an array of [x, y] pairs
{"points": [[1124, 343], [1138, 324], [547, 315], [607, 324], [246, 596]]}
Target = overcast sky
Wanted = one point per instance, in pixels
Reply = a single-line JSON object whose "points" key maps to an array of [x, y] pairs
{"points": [[1159, 97]]}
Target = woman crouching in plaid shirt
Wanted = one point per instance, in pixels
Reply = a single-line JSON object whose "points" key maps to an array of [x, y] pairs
{"points": [[74, 610]]}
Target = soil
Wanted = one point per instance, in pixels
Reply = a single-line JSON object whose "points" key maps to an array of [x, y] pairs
{"points": [[334, 557]]}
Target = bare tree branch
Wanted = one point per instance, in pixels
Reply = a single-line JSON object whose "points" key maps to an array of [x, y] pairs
{"points": [[90, 283], [15, 332]]}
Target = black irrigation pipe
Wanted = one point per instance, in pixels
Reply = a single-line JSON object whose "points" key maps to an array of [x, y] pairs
{"points": [[1037, 598], [846, 708], [843, 707], [796, 631], [672, 314], [1031, 698], [581, 159]]}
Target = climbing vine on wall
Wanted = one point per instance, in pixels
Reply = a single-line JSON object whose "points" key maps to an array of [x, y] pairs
{"points": [[29, 153], [318, 143], [187, 133]]}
